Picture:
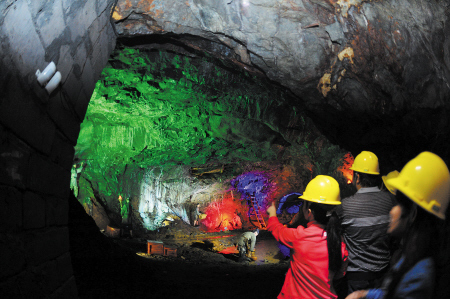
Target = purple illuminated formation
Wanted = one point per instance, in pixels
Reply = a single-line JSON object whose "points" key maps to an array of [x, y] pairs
{"points": [[253, 185]]}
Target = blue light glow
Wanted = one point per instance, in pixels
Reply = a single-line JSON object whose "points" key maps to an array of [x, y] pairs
{"points": [[291, 203]]}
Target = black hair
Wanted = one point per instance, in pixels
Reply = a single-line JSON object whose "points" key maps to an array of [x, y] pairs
{"points": [[367, 180], [325, 215], [421, 240]]}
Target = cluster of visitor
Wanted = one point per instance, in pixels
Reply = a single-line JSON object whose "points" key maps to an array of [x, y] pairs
{"points": [[381, 242]]}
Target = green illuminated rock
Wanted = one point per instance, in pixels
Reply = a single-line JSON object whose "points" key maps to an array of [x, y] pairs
{"points": [[165, 112], [155, 114]]}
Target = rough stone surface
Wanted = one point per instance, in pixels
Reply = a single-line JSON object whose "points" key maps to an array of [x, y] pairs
{"points": [[28, 121], [62, 152], [28, 58], [65, 62], [50, 22], [80, 17], [13, 256], [364, 66], [46, 245], [60, 110], [10, 209], [72, 88], [37, 135], [14, 158], [47, 178], [33, 210], [56, 211], [67, 290]]}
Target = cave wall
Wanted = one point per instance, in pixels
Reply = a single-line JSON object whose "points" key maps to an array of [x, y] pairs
{"points": [[38, 132], [379, 69], [154, 109]]}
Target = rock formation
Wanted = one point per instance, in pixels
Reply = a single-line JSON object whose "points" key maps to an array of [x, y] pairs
{"points": [[371, 74]]}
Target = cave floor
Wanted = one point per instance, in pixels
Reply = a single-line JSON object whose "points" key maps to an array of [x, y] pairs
{"points": [[205, 266]]}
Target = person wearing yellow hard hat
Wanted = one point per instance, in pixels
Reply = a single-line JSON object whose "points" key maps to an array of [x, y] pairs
{"points": [[423, 194], [318, 253], [365, 217], [385, 178]]}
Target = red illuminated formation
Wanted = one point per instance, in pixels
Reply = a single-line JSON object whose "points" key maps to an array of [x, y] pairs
{"points": [[223, 215], [255, 190], [348, 173]]}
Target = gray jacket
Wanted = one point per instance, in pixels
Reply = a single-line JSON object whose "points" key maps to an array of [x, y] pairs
{"points": [[247, 236]]}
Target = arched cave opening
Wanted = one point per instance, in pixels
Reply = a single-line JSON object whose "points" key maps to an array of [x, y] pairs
{"points": [[168, 130]]}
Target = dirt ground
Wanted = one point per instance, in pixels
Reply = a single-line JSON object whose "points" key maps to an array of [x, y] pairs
{"points": [[205, 266]]}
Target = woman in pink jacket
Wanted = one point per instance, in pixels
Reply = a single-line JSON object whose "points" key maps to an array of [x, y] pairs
{"points": [[318, 252]]}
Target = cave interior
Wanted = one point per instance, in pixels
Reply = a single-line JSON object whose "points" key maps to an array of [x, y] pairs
{"points": [[177, 124], [171, 137]]}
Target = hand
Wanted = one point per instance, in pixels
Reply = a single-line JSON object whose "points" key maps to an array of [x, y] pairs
{"points": [[272, 210], [357, 295]]}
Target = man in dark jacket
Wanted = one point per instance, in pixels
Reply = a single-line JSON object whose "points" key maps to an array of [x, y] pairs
{"points": [[365, 218]]}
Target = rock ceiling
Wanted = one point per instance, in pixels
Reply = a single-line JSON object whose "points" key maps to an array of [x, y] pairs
{"points": [[373, 75]]}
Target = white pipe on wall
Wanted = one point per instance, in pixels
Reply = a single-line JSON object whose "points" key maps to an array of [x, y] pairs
{"points": [[53, 83], [46, 74]]}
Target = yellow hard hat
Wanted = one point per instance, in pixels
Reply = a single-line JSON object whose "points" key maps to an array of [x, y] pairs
{"points": [[426, 181], [390, 175], [366, 162], [322, 189]]}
